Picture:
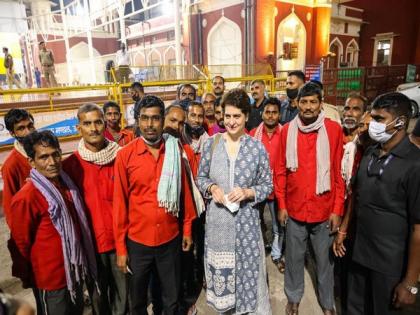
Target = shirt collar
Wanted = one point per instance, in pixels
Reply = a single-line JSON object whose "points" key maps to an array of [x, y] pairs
{"points": [[141, 146], [402, 149]]}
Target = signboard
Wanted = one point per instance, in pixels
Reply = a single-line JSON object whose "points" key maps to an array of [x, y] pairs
{"points": [[313, 72], [411, 74], [61, 123]]}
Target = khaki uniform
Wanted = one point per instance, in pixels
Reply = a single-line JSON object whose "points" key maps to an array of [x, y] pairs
{"points": [[47, 62], [10, 73]]}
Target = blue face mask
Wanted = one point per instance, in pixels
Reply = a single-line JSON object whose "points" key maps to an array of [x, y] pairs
{"points": [[377, 131]]}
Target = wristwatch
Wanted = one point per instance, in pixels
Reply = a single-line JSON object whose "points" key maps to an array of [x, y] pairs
{"points": [[412, 289]]}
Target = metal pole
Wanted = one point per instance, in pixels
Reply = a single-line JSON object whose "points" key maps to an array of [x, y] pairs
{"points": [[89, 38], [122, 21], [66, 42], [177, 35]]}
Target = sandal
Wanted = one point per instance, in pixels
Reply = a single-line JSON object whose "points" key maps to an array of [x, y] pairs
{"points": [[292, 309]]}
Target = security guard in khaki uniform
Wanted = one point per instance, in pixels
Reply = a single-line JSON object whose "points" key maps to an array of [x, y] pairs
{"points": [[46, 58]]}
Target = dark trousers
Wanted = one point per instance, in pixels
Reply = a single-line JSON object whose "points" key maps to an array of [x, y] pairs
{"points": [[142, 260], [370, 292], [113, 285], [192, 268], [58, 302]]}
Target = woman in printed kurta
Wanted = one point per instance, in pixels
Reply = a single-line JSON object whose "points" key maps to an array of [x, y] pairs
{"points": [[234, 169]]}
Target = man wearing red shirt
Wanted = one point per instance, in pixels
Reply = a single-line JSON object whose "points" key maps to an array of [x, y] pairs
{"points": [[208, 101], [113, 130], [310, 192], [91, 167], [15, 169], [51, 231], [268, 132], [146, 207]]}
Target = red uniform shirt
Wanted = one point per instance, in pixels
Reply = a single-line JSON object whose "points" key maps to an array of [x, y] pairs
{"points": [[39, 244], [96, 185], [14, 171], [126, 136], [272, 145], [296, 191], [137, 214]]}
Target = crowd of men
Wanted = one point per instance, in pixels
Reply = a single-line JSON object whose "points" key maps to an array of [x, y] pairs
{"points": [[110, 218]]}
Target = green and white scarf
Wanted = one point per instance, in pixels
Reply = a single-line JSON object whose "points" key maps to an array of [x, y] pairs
{"points": [[169, 189]]}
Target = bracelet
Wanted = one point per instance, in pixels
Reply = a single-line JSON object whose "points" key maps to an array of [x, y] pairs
{"points": [[209, 189], [342, 233]]}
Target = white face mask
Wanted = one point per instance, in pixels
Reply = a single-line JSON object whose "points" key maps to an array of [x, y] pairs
{"points": [[377, 131]]}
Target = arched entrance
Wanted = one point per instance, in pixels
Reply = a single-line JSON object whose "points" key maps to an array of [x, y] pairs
{"points": [[224, 46], [291, 44], [336, 48], [352, 53]]}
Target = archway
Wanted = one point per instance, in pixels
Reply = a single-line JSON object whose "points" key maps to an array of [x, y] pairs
{"points": [[352, 53], [291, 44], [336, 48], [224, 47], [81, 64]]}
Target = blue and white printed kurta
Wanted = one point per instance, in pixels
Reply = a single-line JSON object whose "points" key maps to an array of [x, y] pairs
{"points": [[234, 251]]}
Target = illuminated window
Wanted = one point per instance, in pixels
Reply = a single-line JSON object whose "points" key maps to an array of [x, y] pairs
{"points": [[383, 52]]}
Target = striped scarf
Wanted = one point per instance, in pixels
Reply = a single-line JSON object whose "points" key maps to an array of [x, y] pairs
{"points": [[103, 157], [259, 131], [78, 250]]}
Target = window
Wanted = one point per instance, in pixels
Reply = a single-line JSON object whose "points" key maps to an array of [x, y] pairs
{"points": [[383, 49], [346, 28], [170, 35]]}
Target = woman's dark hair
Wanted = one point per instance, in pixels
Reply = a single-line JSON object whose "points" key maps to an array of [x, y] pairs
{"points": [[395, 103], [238, 98], [14, 116], [147, 102], [110, 104], [310, 89], [45, 138]]}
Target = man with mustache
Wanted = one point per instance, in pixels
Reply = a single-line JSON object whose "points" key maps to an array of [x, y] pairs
{"points": [[195, 133], [218, 84], [295, 80], [51, 230], [186, 91], [258, 95], [354, 108], [218, 115], [151, 190], [91, 167], [113, 131], [310, 192], [208, 99]]}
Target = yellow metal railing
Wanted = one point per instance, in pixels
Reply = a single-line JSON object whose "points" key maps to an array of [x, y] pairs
{"points": [[164, 78]]}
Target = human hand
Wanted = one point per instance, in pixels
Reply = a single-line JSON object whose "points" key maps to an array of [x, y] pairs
{"points": [[338, 246], [402, 296], [186, 243], [122, 263], [334, 222], [283, 217], [217, 194], [239, 194]]}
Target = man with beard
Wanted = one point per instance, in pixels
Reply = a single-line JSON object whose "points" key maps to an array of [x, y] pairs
{"points": [[354, 108], [289, 109], [151, 190], [195, 133], [268, 132], [136, 91], [186, 91], [310, 192], [91, 168], [258, 94], [113, 131], [208, 99], [218, 84], [218, 115]]}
